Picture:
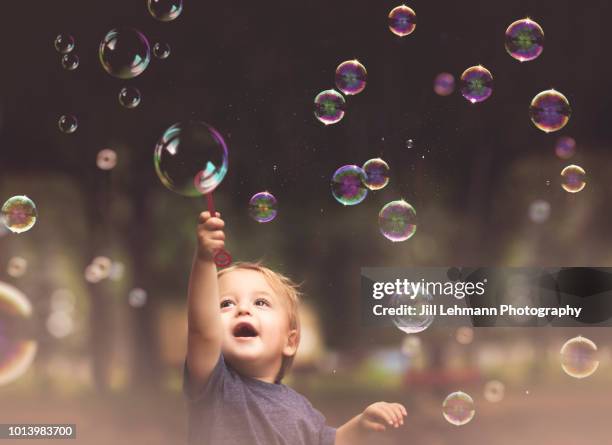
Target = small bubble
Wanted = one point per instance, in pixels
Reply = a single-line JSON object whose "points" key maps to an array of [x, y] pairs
{"points": [[67, 123], [161, 50], [70, 61], [129, 97], [64, 43], [19, 214], [106, 159]]}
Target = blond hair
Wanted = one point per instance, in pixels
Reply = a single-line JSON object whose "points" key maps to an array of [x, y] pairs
{"points": [[283, 286]]}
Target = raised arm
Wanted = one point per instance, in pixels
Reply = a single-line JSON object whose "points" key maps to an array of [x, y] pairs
{"points": [[374, 418], [203, 312]]}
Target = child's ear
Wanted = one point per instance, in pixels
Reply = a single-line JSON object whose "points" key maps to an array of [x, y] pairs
{"points": [[292, 343]]}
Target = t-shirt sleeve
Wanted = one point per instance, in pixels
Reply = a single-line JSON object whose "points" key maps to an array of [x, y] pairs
{"points": [[325, 434], [215, 380]]}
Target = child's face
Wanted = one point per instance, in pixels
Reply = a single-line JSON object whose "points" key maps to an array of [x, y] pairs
{"points": [[255, 321]]}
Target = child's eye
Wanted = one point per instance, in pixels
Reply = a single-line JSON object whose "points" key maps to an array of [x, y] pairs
{"points": [[262, 302], [226, 303]]}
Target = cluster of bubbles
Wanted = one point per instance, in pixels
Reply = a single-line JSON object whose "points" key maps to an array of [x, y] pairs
{"points": [[565, 147], [106, 159], [402, 21], [579, 357], [573, 178], [549, 111], [350, 79], [101, 268], [411, 324], [17, 344], [67, 123], [263, 207], [64, 44], [191, 158], [476, 84], [539, 211], [458, 408], [397, 221], [524, 40], [129, 97], [124, 53], [17, 267], [19, 214], [165, 10], [444, 84], [60, 322], [137, 297]]}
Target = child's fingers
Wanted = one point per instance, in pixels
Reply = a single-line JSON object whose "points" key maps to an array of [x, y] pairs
{"points": [[204, 216], [214, 224], [399, 413], [218, 235], [217, 245], [381, 412], [402, 409], [392, 415], [374, 426]]}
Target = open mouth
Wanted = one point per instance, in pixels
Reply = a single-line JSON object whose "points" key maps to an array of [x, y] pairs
{"points": [[245, 330]]}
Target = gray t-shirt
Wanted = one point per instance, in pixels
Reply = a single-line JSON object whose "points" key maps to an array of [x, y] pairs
{"points": [[235, 410]]}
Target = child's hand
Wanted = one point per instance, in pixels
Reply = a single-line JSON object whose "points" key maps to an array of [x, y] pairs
{"points": [[211, 237], [378, 415]]}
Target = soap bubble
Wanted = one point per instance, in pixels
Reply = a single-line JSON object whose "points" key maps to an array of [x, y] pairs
{"points": [[17, 346], [549, 111], [411, 324], [63, 300], [539, 211], [579, 357], [494, 391], [476, 84], [106, 159], [165, 10], [329, 107], [262, 207], [60, 324], [64, 43], [137, 297], [402, 20], [377, 174], [409, 143], [464, 335], [573, 178], [161, 50], [70, 61], [67, 123], [397, 221], [17, 267], [129, 97], [458, 408], [103, 264], [524, 40], [19, 214], [565, 147], [348, 185], [124, 53], [444, 84], [351, 77], [191, 158]]}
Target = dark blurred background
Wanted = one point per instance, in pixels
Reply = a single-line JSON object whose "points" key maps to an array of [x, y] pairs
{"points": [[252, 71]]}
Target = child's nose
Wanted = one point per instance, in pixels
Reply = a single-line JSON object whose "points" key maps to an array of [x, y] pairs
{"points": [[243, 308]]}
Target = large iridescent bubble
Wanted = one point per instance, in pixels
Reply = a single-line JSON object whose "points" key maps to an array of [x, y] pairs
{"points": [[408, 323], [348, 185], [19, 214], [524, 40], [329, 107], [444, 84], [579, 357], [263, 207], [165, 10], [397, 221], [191, 158], [124, 53], [402, 20], [550, 111], [573, 178], [17, 343], [476, 84], [458, 408], [377, 173], [351, 77]]}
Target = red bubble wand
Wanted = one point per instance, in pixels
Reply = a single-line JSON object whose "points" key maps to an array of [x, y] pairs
{"points": [[222, 257]]}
